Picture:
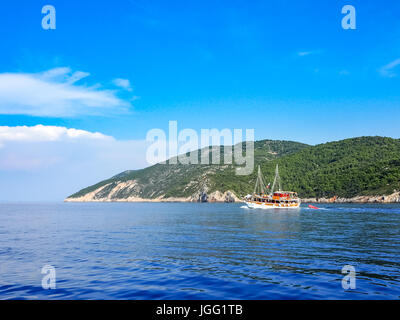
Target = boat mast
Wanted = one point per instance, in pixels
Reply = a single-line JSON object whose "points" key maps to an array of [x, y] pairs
{"points": [[277, 179], [260, 185]]}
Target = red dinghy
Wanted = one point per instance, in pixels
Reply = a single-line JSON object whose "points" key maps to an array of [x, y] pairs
{"points": [[312, 207]]}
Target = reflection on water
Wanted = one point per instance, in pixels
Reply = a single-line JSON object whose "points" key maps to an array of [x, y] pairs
{"points": [[198, 251]]}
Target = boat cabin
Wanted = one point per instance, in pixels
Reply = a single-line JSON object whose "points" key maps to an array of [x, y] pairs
{"points": [[285, 195]]}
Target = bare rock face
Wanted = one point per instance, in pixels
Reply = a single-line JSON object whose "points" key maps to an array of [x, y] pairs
{"points": [[392, 198], [227, 196], [216, 196], [126, 192], [230, 197], [203, 197]]}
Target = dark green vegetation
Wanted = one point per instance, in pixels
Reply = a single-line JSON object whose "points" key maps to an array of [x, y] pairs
{"points": [[346, 168]]}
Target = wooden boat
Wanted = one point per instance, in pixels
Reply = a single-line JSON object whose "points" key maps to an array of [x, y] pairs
{"points": [[260, 199]]}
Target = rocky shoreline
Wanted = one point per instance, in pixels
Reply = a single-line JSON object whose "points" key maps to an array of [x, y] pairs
{"points": [[216, 196], [230, 197], [392, 198]]}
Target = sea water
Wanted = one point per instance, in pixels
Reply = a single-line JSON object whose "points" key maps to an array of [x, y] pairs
{"points": [[198, 251]]}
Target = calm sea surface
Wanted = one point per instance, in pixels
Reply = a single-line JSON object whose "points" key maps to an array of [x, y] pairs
{"points": [[198, 251]]}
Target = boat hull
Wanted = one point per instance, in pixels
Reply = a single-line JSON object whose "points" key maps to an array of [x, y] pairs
{"points": [[263, 205]]}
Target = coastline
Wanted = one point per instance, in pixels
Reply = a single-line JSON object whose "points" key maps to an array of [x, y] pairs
{"points": [[216, 196], [219, 197], [392, 198]]}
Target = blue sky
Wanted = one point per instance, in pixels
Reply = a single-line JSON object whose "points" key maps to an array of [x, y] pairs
{"points": [[285, 68]]}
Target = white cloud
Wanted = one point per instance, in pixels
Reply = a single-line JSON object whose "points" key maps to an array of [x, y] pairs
{"points": [[123, 83], [55, 73], [50, 162], [304, 53], [310, 52], [387, 70], [76, 76], [41, 133], [55, 93]]}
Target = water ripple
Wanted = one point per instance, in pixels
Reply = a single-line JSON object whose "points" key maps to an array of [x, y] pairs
{"points": [[198, 251]]}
